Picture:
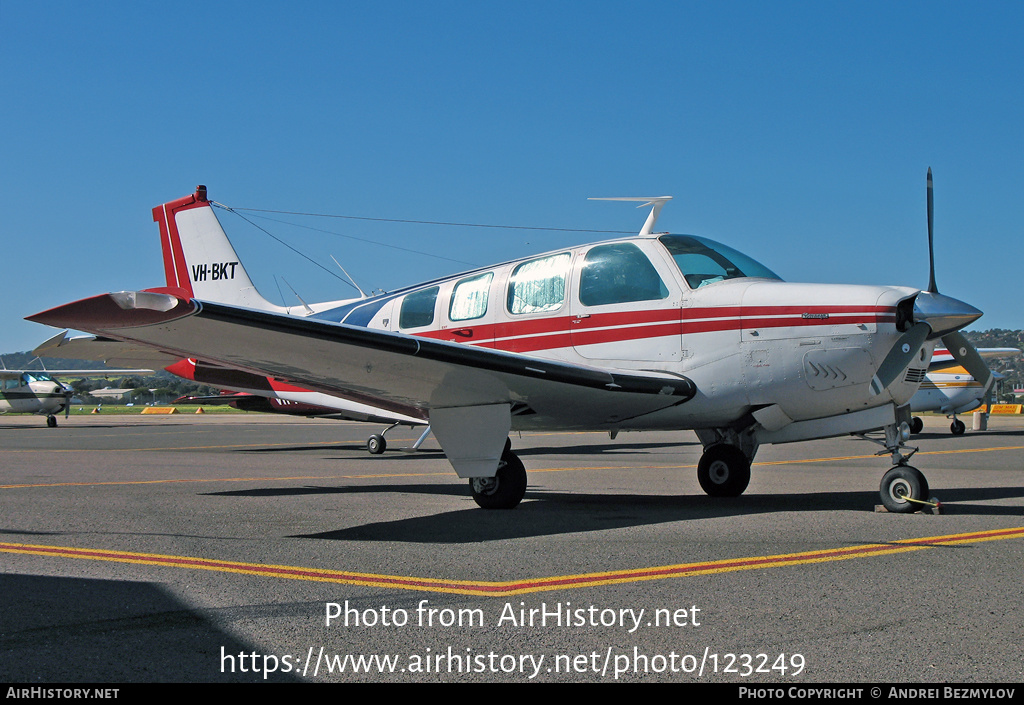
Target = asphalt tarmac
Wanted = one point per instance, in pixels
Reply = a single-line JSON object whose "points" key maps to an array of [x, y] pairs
{"points": [[248, 548]]}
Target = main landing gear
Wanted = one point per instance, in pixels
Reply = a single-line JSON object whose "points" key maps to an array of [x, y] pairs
{"points": [[508, 486], [957, 428], [724, 467], [375, 444], [51, 421], [723, 470]]}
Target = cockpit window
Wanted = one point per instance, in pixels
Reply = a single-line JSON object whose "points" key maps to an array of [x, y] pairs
{"points": [[702, 261]]}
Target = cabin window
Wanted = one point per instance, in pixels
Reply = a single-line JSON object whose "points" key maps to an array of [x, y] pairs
{"points": [[418, 308], [538, 285], [469, 298], [617, 274]]}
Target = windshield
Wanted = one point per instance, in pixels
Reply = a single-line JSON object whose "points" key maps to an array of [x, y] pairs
{"points": [[702, 261], [37, 377]]}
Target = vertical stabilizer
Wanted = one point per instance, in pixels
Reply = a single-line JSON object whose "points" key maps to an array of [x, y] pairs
{"points": [[199, 261]]}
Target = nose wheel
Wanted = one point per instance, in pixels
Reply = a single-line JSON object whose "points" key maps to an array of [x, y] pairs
{"points": [[903, 489]]}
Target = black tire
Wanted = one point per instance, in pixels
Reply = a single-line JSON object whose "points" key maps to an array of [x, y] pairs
{"points": [[957, 428], [899, 484], [375, 444], [723, 471], [916, 425], [503, 491], [51, 421]]}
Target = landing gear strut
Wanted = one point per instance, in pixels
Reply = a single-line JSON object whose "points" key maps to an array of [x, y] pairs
{"points": [[508, 486], [904, 489], [375, 444]]}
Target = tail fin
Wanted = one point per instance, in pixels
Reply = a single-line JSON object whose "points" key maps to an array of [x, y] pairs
{"points": [[199, 260]]}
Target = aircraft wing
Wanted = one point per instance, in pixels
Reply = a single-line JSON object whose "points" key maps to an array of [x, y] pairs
{"points": [[15, 374], [111, 352], [405, 374], [942, 359]]}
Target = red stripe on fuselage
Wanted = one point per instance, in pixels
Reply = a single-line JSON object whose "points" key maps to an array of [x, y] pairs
{"points": [[550, 333]]}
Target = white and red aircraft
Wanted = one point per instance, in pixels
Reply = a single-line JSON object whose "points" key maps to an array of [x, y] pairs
{"points": [[656, 331], [950, 389]]}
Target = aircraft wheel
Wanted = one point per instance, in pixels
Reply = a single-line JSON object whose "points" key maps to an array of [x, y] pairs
{"points": [[916, 425], [723, 471], [51, 421], [375, 444], [899, 484], [957, 428], [506, 489]]}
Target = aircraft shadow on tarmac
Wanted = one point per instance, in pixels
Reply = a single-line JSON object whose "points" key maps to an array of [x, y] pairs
{"points": [[399, 453], [561, 513], [79, 630]]}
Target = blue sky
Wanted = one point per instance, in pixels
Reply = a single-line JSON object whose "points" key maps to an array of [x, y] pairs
{"points": [[798, 132]]}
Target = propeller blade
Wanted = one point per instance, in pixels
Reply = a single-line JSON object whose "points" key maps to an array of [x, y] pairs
{"points": [[899, 357], [931, 248], [969, 358]]}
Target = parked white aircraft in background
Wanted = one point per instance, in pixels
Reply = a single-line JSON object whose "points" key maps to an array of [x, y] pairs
{"points": [[950, 389], [37, 392], [657, 331]]}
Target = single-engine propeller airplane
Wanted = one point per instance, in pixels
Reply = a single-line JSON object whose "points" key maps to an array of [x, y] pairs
{"points": [[949, 389], [656, 331], [37, 392]]}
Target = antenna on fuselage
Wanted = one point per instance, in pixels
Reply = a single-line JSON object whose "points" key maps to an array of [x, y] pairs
{"points": [[656, 203], [361, 293], [304, 304]]}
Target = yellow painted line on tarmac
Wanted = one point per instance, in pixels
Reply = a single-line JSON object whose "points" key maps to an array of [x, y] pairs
{"points": [[873, 455], [368, 476], [522, 586]]}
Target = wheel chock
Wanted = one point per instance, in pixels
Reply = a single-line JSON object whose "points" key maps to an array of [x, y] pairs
{"points": [[933, 505]]}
